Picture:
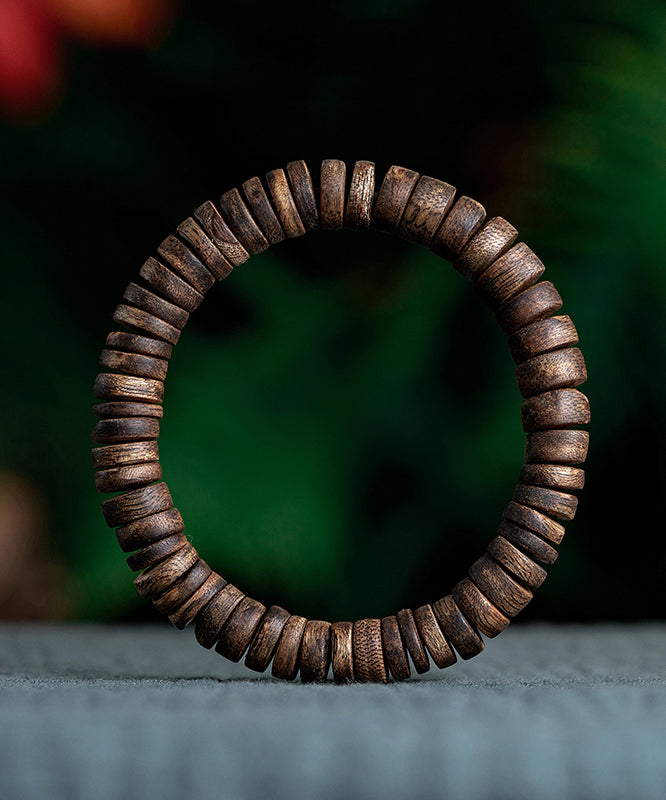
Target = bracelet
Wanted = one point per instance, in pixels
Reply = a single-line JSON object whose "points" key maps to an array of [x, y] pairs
{"points": [[207, 247]]}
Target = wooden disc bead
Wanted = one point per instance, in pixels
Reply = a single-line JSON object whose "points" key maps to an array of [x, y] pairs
{"points": [[242, 223], [369, 666], [168, 601], [557, 504], [412, 640], [509, 275], [458, 227], [147, 301], [221, 234], [215, 613], [262, 210], [304, 195], [186, 612], [394, 649], [118, 455], [264, 644], [517, 563], [169, 285], [195, 237], [129, 429], [133, 343], [433, 638], [531, 544], [478, 609], [499, 587], [542, 336], [118, 479], [134, 364], [557, 447], [315, 653], [553, 476], [128, 387], [286, 660], [136, 504], [150, 529], [332, 194], [238, 630], [428, 204], [561, 369], [183, 261], [284, 202], [534, 521], [342, 656], [151, 555], [392, 199], [457, 629], [119, 408], [160, 577], [560, 408], [143, 321], [492, 241], [535, 303], [361, 196]]}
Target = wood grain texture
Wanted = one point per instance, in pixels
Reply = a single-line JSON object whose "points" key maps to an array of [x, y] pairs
{"points": [[557, 447], [510, 275], [215, 613], [286, 661], [553, 476], [119, 479], [147, 530], [262, 210], [394, 649], [143, 321], [315, 655], [457, 628], [487, 245], [128, 387], [412, 640], [478, 609], [542, 336], [516, 563], [129, 429], [242, 223], [342, 655], [168, 601], [194, 236], [505, 593], [535, 521], [221, 234], [369, 666], [284, 203], [118, 455], [561, 408], [265, 641], [238, 630], [135, 343], [536, 303], [170, 285], [530, 544], [126, 408], [332, 183], [557, 504], [358, 214], [428, 204], [183, 261], [160, 577], [153, 553], [138, 503], [304, 195], [392, 199], [458, 227], [134, 364], [187, 611], [157, 306], [561, 369], [433, 637]]}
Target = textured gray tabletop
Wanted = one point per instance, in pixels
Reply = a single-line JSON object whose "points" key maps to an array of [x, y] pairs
{"points": [[124, 712]]}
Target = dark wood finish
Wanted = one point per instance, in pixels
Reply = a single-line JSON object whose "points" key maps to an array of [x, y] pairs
{"points": [[478, 609], [458, 227], [153, 553], [513, 273], [120, 479], [499, 587], [196, 238], [342, 656], [553, 476], [561, 369], [394, 649], [315, 653], [160, 577], [215, 613], [534, 521], [358, 214], [517, 563], [264, 644], [238, 630], [119, 408], [128, 387], [134, 364], [369, 666], [333, 178], [158, 306], [118, 455], [536, 303], [492, 241], [136, 504], [147, 530], [143, 321], [169, 285], [412, 640], [221, 234], [528, 542], [130, 429], [428, 204], [183, 261], [433, 638], [457, 629], [263, 211], [242, 223], [561, 408], [133, 343], [557, 447], [303, 191], [392, 199], [284, 203], [187, 612], [168, 601], [557, 504], [287, 656], [542, 336]]}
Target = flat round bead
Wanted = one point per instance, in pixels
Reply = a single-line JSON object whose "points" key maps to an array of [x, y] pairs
{"points": [[499, 587], [118, 455], [509, 275], [528, 542], [134, 364], [215, 613], [183, 261], [151, 555], [458, 227], [392, 199], [303, 191], [492, 241], [332, 182], [133, 343], [118, 479], [150, 529], [557, 504], [242, 223], [264, 643], [286, 659], [369, 666], [143, 321], [561, 369], [120, 408], [186, 613], [160, 577], [534, 521], [153, 304], [136, 504], [457, 629], [433, 638], [394, 649], [262, 210], [169, 285], [542, 336], [517, 563], [553, 476], [196, 238], [536, 303], [128, 429], [412, 640], [342, 656], [478, 609], [557, 447], [560, 408], [174, 597], [128, 387], [315, 653], [361, 195], [284, 203], [221, 234], [428, 204], [238, 630]]}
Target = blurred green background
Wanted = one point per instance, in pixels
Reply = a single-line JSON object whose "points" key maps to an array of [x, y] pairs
{"points": [[342, 426]]}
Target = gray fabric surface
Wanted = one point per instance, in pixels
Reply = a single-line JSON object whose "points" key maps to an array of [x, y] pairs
{"points": [[123, 712]]}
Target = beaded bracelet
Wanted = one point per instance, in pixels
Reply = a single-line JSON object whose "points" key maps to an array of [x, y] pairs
{"points": [[207, 247]]}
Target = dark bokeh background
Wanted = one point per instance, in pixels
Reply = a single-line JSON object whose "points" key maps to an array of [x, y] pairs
{"points": [[342, 426]]}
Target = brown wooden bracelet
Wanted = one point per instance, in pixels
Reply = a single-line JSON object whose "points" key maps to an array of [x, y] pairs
{"points": [[549, 366]]}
